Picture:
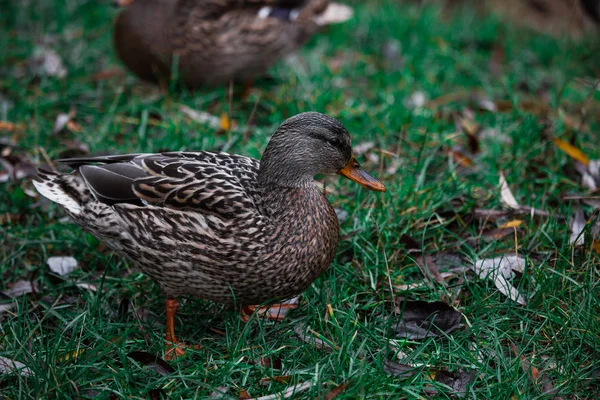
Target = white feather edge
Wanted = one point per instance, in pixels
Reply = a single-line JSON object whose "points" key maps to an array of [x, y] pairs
{"points": [[58, 196], [335, 13]]}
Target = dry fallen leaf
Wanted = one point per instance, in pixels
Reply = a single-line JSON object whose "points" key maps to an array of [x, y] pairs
{"points": [[590, 174], [201, 117], [396, 369], [152, 361], [224, 122], [539, 378], [46, 61], [572, 151], [8, 366], [20, 288], [460, 158], [416, 100], [11, 127], [420, 319], [286, 394], [336, 391], [506, 195], [501, 270], [577, 225], [458, 382], [220, 392], [62, 265]]}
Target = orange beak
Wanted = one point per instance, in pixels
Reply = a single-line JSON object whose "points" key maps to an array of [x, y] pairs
{"points": [[355, 173]]}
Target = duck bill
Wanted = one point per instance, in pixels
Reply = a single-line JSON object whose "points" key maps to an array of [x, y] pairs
{"points": [[355, 173]]}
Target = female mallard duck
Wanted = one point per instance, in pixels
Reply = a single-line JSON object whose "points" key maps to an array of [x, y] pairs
{"points": [[216, 41], [218, 226]]}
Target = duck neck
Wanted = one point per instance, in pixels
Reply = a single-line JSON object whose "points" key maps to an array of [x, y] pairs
{"points": [[285, 169]]}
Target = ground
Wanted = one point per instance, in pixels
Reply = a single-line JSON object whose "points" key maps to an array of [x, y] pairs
{"points": [[438, 107]]}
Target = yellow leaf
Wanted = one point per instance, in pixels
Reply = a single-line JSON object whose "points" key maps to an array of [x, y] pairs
{"points": [[225, 123], [330, 310], [572, 151], [72, 354], [515, 223], [596, 246]]}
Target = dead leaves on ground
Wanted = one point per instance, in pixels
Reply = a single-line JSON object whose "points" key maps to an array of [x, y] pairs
{"points": [[419, 319]]}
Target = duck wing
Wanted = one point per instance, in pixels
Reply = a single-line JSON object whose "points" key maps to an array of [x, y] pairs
{"points": [[221, 184]]}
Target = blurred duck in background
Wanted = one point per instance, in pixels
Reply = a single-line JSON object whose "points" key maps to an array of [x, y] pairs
{"points": [[213, 42]]}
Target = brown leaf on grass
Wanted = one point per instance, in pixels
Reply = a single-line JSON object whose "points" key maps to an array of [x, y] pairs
{"points": [[219, 392], [460, 158], [270, 362], [497, 59], [471, 129], [279, 379], [573, 122], [11, 126], [538, 377], [74, 126], [397, 369], [458, 382], [336, 391], [243, 394], [509, 228], [420, 319], [424, 261], [499, 233], [504, 106], [535, 107], [428, 267], [16, 165], [152, 361], [62, 121], [105, 74]]}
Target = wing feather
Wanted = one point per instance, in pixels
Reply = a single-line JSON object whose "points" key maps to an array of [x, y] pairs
{"points": [[219, 184]]}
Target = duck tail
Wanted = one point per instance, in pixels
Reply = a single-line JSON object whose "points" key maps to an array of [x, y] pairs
{"points": [[65, 189]]}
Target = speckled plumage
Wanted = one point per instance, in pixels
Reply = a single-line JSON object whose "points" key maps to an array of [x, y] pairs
{"points": [[213, 41], [222, 227]]}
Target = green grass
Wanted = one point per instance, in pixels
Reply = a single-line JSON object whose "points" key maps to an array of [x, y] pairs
{"points": [[429, 198]]}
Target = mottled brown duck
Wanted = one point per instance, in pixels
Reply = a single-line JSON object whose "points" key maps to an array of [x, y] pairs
{"points": [[217, 226], [213, 42]]}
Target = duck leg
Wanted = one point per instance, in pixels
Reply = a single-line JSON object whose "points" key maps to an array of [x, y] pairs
{"points": [[173, 347], [273, 312]]}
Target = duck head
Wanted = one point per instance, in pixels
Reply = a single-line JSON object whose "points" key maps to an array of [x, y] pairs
{"points": [[308, 144]]}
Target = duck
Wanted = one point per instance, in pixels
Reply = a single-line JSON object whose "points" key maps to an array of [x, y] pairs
{"points": [[221, 227], [214, 42]]}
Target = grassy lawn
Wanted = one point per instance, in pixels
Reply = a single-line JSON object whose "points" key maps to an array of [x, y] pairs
{"points": [[494, 98]]}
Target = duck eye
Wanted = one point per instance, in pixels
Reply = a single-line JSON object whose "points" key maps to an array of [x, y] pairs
{"points": [[334, 142]]}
